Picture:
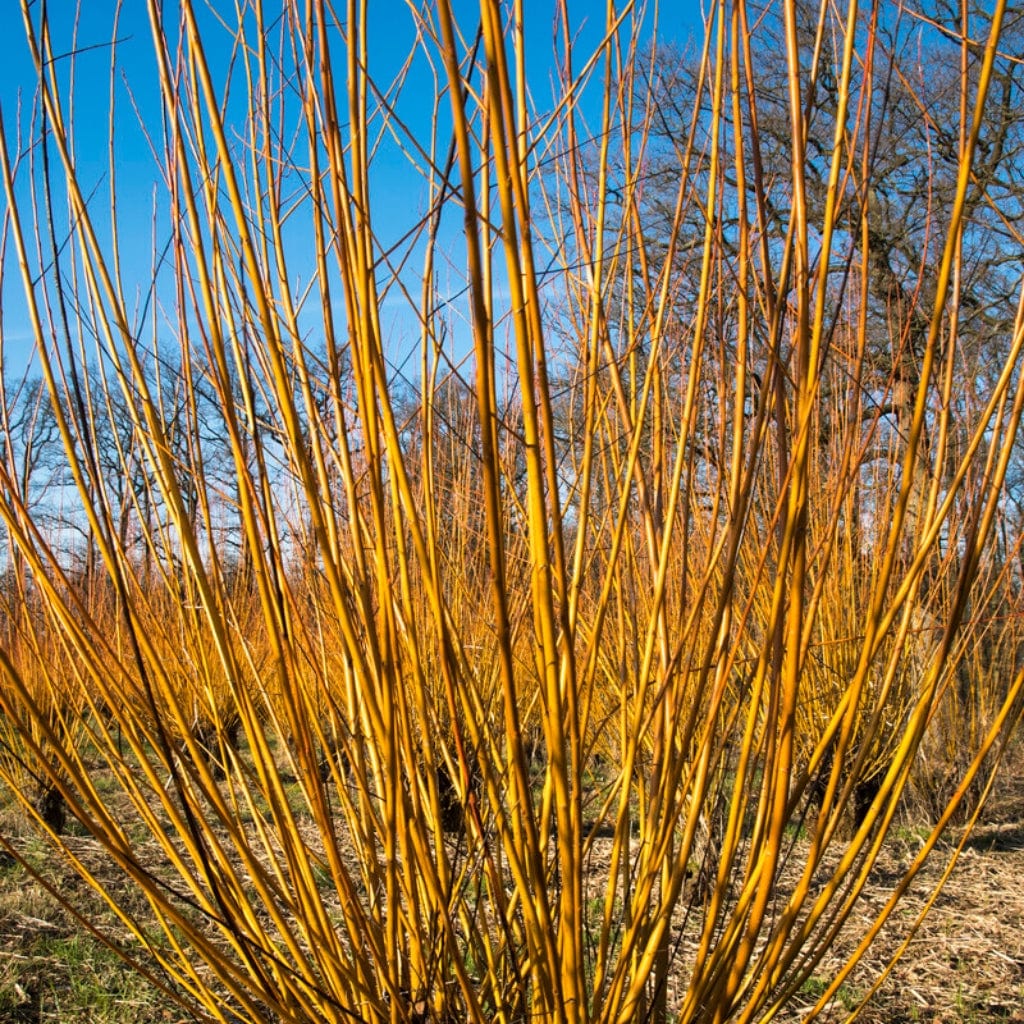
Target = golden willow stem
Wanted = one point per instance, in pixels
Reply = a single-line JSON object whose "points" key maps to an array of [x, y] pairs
{"points": [[545, 687]]}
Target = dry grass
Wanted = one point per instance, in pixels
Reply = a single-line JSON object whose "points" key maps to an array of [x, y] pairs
{"points": [[964, 964]]}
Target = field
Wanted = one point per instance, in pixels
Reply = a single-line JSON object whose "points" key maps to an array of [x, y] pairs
{"points": [[966, 961], [963, 965]]}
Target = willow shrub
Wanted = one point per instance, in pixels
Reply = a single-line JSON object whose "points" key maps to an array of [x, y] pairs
{"points": [[580, 674]]}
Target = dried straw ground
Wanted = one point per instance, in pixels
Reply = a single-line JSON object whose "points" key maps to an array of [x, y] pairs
{"points": [[965, 963]]}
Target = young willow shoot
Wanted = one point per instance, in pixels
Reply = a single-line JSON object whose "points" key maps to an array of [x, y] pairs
{"points": [[538, 618]]}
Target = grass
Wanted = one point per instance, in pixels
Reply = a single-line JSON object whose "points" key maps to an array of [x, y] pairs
{"points": [[848, 997], [53, 971]]}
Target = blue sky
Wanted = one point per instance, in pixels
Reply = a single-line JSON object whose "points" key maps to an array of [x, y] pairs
{"points": [[399, 198]]}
